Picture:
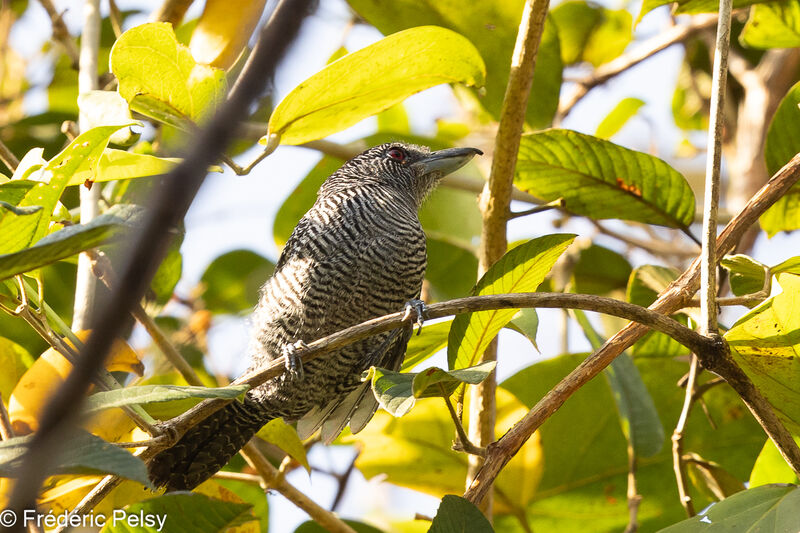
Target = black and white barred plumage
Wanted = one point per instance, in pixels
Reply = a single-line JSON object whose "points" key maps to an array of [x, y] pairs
{"points": [[357, 254]]}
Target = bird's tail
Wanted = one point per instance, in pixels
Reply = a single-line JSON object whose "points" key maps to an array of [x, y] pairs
{"points": [[206, 447]]}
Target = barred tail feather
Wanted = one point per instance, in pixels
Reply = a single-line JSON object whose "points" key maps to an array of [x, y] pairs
{"points": [[207, 447]]}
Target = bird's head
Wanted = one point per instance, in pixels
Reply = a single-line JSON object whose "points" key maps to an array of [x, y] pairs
{"points": [[408, 168]]}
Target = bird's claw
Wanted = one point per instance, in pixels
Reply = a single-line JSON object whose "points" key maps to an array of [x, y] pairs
{"points": [[417, 309], [294, 365]]}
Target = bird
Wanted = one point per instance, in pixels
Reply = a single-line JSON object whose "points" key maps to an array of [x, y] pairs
{"points": [[357, 254]]}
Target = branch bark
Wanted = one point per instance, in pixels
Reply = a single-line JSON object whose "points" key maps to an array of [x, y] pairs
{"points": [[676, 296], [495, 202]]}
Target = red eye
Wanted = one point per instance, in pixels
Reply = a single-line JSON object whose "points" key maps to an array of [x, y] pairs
{"points": [[397, 154]]}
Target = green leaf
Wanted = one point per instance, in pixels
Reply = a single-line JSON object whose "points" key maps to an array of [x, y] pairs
{"points": [[372, 79], [692, 6], [492, 27], [783, 142], [599, 179], [637, 412], [422, 346], [456, 515], [771, 467], [160, 79], [451, 269], [181, 512], [122, 165], [600, 271], [618, 117], [520, 270], [773, 25], [766, 343], [791, 265], [14, 360], [284, 436], [397, 392], [31, 162], [20, 231], [645, 283], [587, 474], [81, 453], [591, 33], [765, 508], [71, 240], [526, 322], [358, 527], [145, 394], [747, 275], [232, 280]]}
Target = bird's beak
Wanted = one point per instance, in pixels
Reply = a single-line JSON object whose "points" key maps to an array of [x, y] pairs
{"points": [[445, 161]]}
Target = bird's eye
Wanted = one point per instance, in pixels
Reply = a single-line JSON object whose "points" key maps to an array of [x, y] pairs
{"points": [[398, 154]]}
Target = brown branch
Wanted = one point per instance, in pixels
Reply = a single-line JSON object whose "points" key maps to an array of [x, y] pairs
{"points": [[617, 66], [495, 202], [678, 464], [275, 481], [675, 297], [61, 33], [171, 11], [7, 157], [169, 207], [689, 338]]}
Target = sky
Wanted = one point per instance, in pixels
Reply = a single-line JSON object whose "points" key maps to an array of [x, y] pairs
{"points": [[234, 212]]}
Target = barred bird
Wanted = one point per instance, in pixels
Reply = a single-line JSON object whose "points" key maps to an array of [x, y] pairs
{"points": [[357, 254]]}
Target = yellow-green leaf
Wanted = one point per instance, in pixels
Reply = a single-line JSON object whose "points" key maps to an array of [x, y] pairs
{"points": [[520, 270], [618, 117], [373, 79], [766, 344], [156, 73], [773, 25], [285, 437]]}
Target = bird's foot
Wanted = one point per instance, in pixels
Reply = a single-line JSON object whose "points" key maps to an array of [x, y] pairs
{"points": [[416, 309], [294, 365]]}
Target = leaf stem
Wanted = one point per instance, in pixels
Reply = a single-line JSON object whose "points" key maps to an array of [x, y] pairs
{"points": [[463, 443]]}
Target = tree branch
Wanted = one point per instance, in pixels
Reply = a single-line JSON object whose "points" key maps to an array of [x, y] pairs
{"points": [[170, 206], [495, 202], [689, 338], [7, 157], [61, 33], [676, 296], [617, 66]]}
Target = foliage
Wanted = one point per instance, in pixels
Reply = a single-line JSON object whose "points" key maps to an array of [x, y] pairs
{"points": [[602, 461]]}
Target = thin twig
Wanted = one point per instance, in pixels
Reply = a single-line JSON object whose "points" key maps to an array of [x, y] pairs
{"points": [[275, 481], [670, 300], [239, 476], [555, 204], [494, 203], [634, 498], [656, 247], [463, 444], [115, 16], [61, 33], [7, 157], [169, 207], [344, 480], [171, 11], [678, 464], [617, 66]]}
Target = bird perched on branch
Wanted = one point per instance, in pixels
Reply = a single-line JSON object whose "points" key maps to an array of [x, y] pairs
{"points": [[358, 253]]}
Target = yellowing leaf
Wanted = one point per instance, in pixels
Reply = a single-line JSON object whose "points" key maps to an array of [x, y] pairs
{"points": [[373, 79], [43, 378], [766, 344], [223, 30], [160, 79], [285, 437]]}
